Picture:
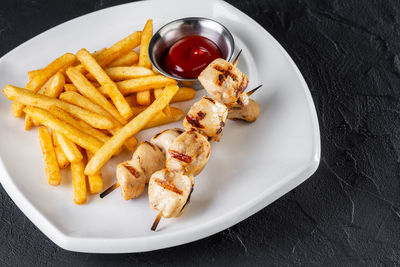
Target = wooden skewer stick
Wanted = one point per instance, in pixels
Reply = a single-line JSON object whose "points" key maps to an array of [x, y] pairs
{"points": [[235, 61], [249, 93], [156, 221], [109, 190]]}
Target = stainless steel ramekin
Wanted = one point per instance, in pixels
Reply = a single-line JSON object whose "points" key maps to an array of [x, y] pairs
{"points": [[175, 30]]}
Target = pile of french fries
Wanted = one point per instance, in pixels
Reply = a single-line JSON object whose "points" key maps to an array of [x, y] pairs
{"points": [[88, 106]]}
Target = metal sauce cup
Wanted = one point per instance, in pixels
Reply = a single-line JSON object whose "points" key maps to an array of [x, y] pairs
{"points": [[175, 30]]}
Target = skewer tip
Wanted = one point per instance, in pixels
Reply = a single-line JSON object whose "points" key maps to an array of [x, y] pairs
{"points": [[235, 61], [156, 221], [249, 93], [109, 190]]}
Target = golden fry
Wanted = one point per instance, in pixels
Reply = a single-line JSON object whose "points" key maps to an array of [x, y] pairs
{"points": [[118, 49], [135, 125], [166, 110], [95, 181], [127, 59], [75, 135], [28, 98], [83, 102], [70, 87], [56, 86], [147, 33], [49, 156], [112, 90], [61, 158], [79, 182], [83, 126], [43, 75], [70, 149], [144, 83], [88, 90], [176, 114], [126, 73], [143, 98], [184, 94], [53, 89]]}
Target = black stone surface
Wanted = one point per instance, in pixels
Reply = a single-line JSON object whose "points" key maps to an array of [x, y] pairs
{"points": [[347, 213]]}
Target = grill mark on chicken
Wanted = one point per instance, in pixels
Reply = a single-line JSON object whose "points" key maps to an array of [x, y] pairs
{"points": [[201, 114], [180, 156], [209, 99], [221, 127], [132, 170], [179, 131], [243, 85], [169, 186], [194, 121], [225, 73], [152, 145]]}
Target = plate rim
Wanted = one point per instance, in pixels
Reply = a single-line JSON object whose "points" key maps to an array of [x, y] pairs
{"points": [[145, 243]]}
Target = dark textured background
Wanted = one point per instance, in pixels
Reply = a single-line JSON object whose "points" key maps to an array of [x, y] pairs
{"points": [[348, 212]]}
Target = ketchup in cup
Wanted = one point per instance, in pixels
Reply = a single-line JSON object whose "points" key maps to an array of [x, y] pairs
{"points": [[190, 55]]}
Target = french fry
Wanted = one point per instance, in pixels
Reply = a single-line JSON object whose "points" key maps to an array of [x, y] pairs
{"points": [[56, 86], [88, 90], [49, 156], [131, 99], [70, 87], [135, 125], [184, 94], [42, 76], [70, 149], [128, 87], [143, 97], [98, 52], [95, 181], [43, 89], [26, 97], [118, 49], [112, 90], [127, 59], [147, 33], [79, 182], [126, 73], [83, 102], [75, 135], [33, 73], [61, 158], [83, 126], [54, 89], [166, 110], [161, 119]]}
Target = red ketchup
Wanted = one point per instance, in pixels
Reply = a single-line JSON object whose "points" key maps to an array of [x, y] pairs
{"points": [[190, 55]]}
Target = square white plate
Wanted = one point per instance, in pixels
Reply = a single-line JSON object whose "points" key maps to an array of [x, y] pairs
{"points": [[253, 165]]}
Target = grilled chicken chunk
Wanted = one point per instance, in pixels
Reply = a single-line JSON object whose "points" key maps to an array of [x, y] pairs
{"points": [[132, 175], [131, 179], [169, 192], [208, 117], [223, 81], [188, 153], [165, 138], [247, 112]]}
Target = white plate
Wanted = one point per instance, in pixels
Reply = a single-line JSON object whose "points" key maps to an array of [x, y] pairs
{"points": [[253, 165]]}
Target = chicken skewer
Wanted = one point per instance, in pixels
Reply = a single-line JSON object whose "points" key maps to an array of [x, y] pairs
{"points": [[208, 118]]}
